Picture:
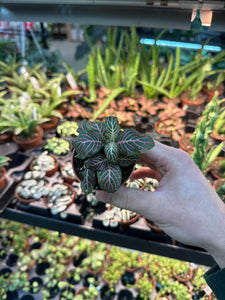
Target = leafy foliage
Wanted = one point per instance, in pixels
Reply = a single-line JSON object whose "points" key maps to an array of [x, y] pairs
{"points": [[105, 148]]}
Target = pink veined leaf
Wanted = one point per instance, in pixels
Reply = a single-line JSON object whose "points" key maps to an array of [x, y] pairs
{"points": [[98, 162], [111, 151], [112, 128], [89, 181], [83, 126], [125, 161], [110, 179], [131, 143], [96, 126], [88, 143]]}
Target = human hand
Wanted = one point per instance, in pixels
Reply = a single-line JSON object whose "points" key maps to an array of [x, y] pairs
{"points": [[184, 204]]}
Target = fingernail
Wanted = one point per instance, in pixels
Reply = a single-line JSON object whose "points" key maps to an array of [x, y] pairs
{"points": [[103, 196]]}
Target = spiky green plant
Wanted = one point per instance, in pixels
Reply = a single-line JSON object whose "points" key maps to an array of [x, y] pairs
{"points": [[104, 148], [201, 135], [91, 73]]}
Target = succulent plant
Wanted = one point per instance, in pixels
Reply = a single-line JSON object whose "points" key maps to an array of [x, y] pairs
{"points": [[103, 148], [57, 146], [44, 162]]}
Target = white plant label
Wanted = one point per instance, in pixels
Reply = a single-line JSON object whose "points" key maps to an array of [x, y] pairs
{"points": [[71, 81], [35, 83], [34, 113], [23, 71], [24, 99]]}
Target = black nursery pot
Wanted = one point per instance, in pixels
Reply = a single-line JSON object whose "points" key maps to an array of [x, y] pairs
{"points": [[12, 260], [5, 272], [40, 283], [42, 267], [125, 295], [128, 278], [27, 297], [78, 164], [106, 294], [12, 295], [89, 275]]}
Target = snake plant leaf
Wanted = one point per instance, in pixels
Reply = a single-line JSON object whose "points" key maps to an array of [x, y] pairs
{"points": [[98, 162], [112, 128], [131, 143], [110, 179], [96, 126], [82, 126], [88, 143], [89, 181], [111, 152], [125, 161]]}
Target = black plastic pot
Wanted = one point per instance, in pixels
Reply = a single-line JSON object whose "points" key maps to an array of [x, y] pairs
{"points": [[3, 254], [36, 245], [78, 259], [53, 292], [41, 268], [71, 280], [27, 297], [89, 275], [12, 295], [5, 272], [125, 295], [106, 294], [70, 290], [12, 260], [40, 283], [128, 278]]}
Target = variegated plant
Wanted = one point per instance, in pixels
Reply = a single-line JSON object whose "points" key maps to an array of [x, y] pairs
{"points": [[105, 148]]}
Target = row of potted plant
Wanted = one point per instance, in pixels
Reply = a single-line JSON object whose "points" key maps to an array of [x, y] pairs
{"points": [[141, 272]]}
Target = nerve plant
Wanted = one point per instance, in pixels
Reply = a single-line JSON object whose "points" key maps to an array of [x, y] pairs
{"points": [[103, 149]]}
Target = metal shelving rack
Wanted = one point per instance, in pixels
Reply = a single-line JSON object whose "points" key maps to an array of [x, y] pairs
{"points": [[142, 13]]}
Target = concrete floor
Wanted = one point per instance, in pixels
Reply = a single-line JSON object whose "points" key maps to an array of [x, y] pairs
{"points": [[67, 50]]}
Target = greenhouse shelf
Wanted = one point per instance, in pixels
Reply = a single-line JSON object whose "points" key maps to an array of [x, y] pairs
{"points": [[155, 243]]}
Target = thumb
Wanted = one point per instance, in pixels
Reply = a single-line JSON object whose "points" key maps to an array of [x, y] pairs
{"points": [[132, 199]]}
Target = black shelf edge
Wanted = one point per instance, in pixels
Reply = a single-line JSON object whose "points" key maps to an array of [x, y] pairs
{"points": [[122, 240]]}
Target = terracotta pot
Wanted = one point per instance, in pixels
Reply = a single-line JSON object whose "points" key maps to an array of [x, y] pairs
{"points": [[126, 224], [145, 172], [96, 271], [69, 179], [66, 261], [217, 136], [186, 99], [185, 144], [181, 279], [30, 266], [214, 168], [153, 226], [49, 173], [6, 137], [50, 124], [211, 93], [2, 177], [151, 279], [164, 297], [29, 142], [156, 126], [81, 291], [218, 183], [63, 239], [135, 268], [72, 196], [22, 200]]}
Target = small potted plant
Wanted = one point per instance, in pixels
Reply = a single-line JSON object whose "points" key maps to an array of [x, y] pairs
{"points": [[3, 287], [69, 241], [198, 282], [32, 187], [46, 163], [67, 129], [64, 255], [218, 133], [68, 173], [219, 186], [145, 285], [214, 85], [112, 273], [25, 262], [25, 125], [67, 290], [60, 197], [57, 146], [86, 293], [4, 160], [17, 280], [94, 262], [182, 271], [104, 155]]}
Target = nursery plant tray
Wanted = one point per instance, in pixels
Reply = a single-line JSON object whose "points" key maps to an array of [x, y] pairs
{"points": [[143, 240]]}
